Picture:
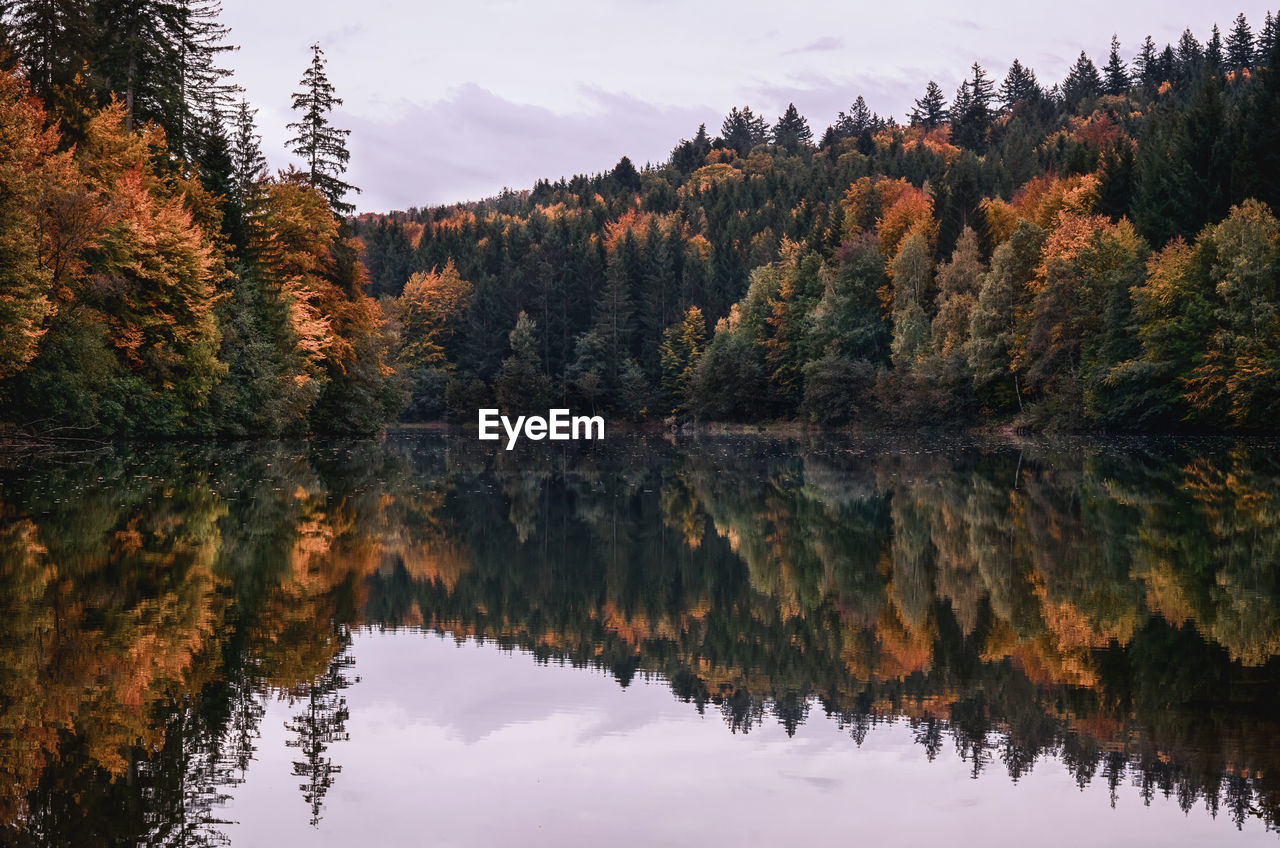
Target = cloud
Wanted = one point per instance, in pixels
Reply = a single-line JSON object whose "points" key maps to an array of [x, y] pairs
{"points": [[473, 143], [822, 45]]}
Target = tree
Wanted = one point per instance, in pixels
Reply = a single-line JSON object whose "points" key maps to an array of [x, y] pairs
{"points": [[1266, 40], [1237, 380], [912, 286], [1213, 54], [971, 111], [1082, 82], [853, 124], [523, 386], [1019, 84], [682, 347], [248, 164], [27, 150], [792, 130], [958, 284], [742, 130], [1116, 75], [1147, 65], [1190, 56], [930, 111], [206, 98], [1240, 44], [54, 40], [322, 147], [1002, 303], [1077, 325]]}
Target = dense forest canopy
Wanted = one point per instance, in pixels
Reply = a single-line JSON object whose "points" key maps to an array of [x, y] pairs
{"points": [[1098, 253], [155, 280]]}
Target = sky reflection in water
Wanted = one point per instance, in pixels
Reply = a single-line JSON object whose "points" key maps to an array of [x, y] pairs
{"points": [[1048, 641]]}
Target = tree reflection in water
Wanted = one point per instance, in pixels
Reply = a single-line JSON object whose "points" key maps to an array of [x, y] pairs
{"points": [[1113, 605]]}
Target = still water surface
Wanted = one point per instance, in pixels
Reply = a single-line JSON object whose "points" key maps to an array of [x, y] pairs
{"points": [[1052, 642]]}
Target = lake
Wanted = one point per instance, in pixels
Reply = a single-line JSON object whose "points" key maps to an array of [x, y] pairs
{"points": [[752, 640]]}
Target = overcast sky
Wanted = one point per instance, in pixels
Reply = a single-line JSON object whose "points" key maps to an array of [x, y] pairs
{"points": [[451, 101]]}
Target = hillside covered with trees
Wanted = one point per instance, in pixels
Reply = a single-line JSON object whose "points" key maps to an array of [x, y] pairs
{"points": [[1098, 253], [155, 280]]}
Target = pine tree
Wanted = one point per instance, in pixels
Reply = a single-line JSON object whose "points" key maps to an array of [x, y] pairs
{"points": [[971, 111], [1266, 40], [742, 130], [523, 386], [857, 121], [982, 90], [1082, 82], [1213, 55], [140, 57], [1019, 84], [248, 163], [792, 130], [1240, 44], [1190, 57], [207, 97], [321, 146], [1147, 65], [53, 38], [1116, 75], [930, 111]]}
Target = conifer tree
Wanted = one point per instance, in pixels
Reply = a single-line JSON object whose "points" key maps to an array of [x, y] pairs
{"points": [[1240, 44], [1266, 40], [53, 39], [207, 96], [743, 130], [322, 147], [1019, 84], [792, 130], [1116, 80], [1082, 82], [523, 386], [248, 163], [1213, 55], [930, 110], [1147, 64]]}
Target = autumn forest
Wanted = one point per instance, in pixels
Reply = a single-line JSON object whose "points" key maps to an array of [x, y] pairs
{"points": [[1097, 253]]}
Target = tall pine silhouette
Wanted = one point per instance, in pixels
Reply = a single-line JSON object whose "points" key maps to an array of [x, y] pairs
{"points": [[322, 146]]}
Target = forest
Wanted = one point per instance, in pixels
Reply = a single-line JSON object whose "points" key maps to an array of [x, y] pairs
{"points": [[1100, 253], [155, 279], [1019, 602]]}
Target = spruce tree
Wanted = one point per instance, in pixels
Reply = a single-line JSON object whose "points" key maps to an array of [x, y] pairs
{"points": [[1240, 44], [248, 163], [321, 146], [1190, 57], [857, 121], [792, 130], [1116, 76], [1147, 64], [53, 40], [1213, 55], [1019, 84], [931, 110], [1266, 40], [1082, 82], [743, 130], [207, 95]]}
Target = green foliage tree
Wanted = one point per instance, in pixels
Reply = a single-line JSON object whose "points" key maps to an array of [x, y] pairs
{"points": [[321, 146], [523, 386]]}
